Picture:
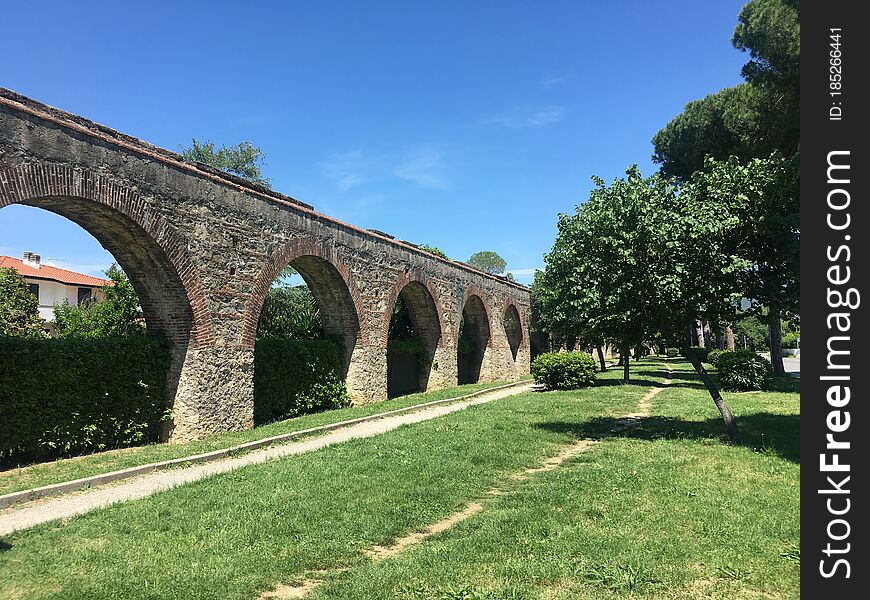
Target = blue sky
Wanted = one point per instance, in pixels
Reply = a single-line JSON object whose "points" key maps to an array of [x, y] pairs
{"points": [[463, 125]]}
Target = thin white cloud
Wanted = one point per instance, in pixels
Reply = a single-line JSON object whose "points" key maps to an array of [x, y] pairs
{"points": [[521, 118], [553, 81], [423, 166], [523, 272], [345, 169]]}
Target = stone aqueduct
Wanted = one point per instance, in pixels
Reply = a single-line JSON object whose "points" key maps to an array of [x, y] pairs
{"points": [[202, 249]]}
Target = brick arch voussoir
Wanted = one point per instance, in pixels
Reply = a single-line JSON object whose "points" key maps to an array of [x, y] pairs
{"points": [[28, 182], [275, 263], [410, 276]]}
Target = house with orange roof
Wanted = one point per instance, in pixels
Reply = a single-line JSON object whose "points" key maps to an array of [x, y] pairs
{"points": [[52, 285]]}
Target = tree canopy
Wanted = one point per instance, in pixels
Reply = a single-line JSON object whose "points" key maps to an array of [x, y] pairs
{"points": [[488, 262], [243, 160], [19, 308], [116, 315]]}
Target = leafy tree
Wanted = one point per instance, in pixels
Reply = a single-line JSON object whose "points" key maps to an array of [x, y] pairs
{"points": [[751, 120], [243, 160], [433, 250], [19, 308], [488, 262], [290, 313], [763, 196], [116, 315], [640, 261]]}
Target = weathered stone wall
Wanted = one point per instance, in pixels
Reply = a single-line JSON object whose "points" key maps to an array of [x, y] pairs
{"points": [[202, 249]]}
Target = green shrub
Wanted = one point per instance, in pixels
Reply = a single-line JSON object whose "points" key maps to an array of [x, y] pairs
{"points": [[744, 370], [713, 356], [672, 352], [564, 370], [294, 377], [60, 397]]}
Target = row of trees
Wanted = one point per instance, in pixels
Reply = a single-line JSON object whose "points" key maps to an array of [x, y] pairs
{"points": [[717, 227]]}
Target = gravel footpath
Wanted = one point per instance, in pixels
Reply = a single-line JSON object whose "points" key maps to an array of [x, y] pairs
{"points": [[63, 507]]}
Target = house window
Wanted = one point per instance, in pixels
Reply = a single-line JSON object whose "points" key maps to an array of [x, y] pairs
{"points": [[34, 289], [84, 295]]}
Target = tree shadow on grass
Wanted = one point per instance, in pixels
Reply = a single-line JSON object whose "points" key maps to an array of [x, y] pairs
{"points": [[4, 546], [761, 432], [650, 383]]}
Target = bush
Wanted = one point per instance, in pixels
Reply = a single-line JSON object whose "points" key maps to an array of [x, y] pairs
{"points": [[564, 370], [672, 352], [744, 370], [294, 377], [60, 397], [713, 356]]}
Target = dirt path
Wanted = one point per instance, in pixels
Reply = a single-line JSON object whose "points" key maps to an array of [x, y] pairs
{"points": [[63, 507], [378, 553]]}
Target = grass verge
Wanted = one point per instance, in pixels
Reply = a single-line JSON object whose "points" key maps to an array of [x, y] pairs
{"points": [[666, 509], [68, 469], [235, 535]]}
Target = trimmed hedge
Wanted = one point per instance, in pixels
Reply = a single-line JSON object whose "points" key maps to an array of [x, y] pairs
{"points": [[60, 397], [713, 356], [294, 377], [564, 370], [744, 370]]}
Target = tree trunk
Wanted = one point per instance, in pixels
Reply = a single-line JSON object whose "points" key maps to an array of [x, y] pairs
{"points": [[570, 343], [699, 333], [729, 337], [774, 327], [708, 334], [601, 358], [626, 362], [730, 423]]}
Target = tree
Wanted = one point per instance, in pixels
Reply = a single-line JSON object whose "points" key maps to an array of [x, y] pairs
{"points": [[598, 282], [641, 261], [290, 313], [116, 315], [243, 160], [433, 250], [763, 195], [19, 308], [488, 262]]}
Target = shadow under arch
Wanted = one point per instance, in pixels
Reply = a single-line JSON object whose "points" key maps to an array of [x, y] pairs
{"points": [[474, 337], [152, 265], [425, 319], [513, 329], [328, 280]]}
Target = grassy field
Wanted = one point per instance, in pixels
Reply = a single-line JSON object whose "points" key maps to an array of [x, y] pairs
{"points": [[67, 469], [666, 509]]}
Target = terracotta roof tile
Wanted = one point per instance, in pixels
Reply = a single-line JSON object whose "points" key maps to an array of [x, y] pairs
{"points": [[52, 273]]}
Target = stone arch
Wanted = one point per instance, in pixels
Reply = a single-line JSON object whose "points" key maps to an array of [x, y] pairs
{"points": [[513, 328], [143, 242], [330, 282], [426, 316], [145, 245], [474, 338]]}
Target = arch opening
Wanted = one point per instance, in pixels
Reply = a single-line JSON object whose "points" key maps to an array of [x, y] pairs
{"points": [[306, 333], [412, 340], [81, 307], [513, 329], [474, 336]]}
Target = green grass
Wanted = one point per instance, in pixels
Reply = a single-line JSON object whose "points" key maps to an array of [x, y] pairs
{"points": [[667, 509], [68, 469]]}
